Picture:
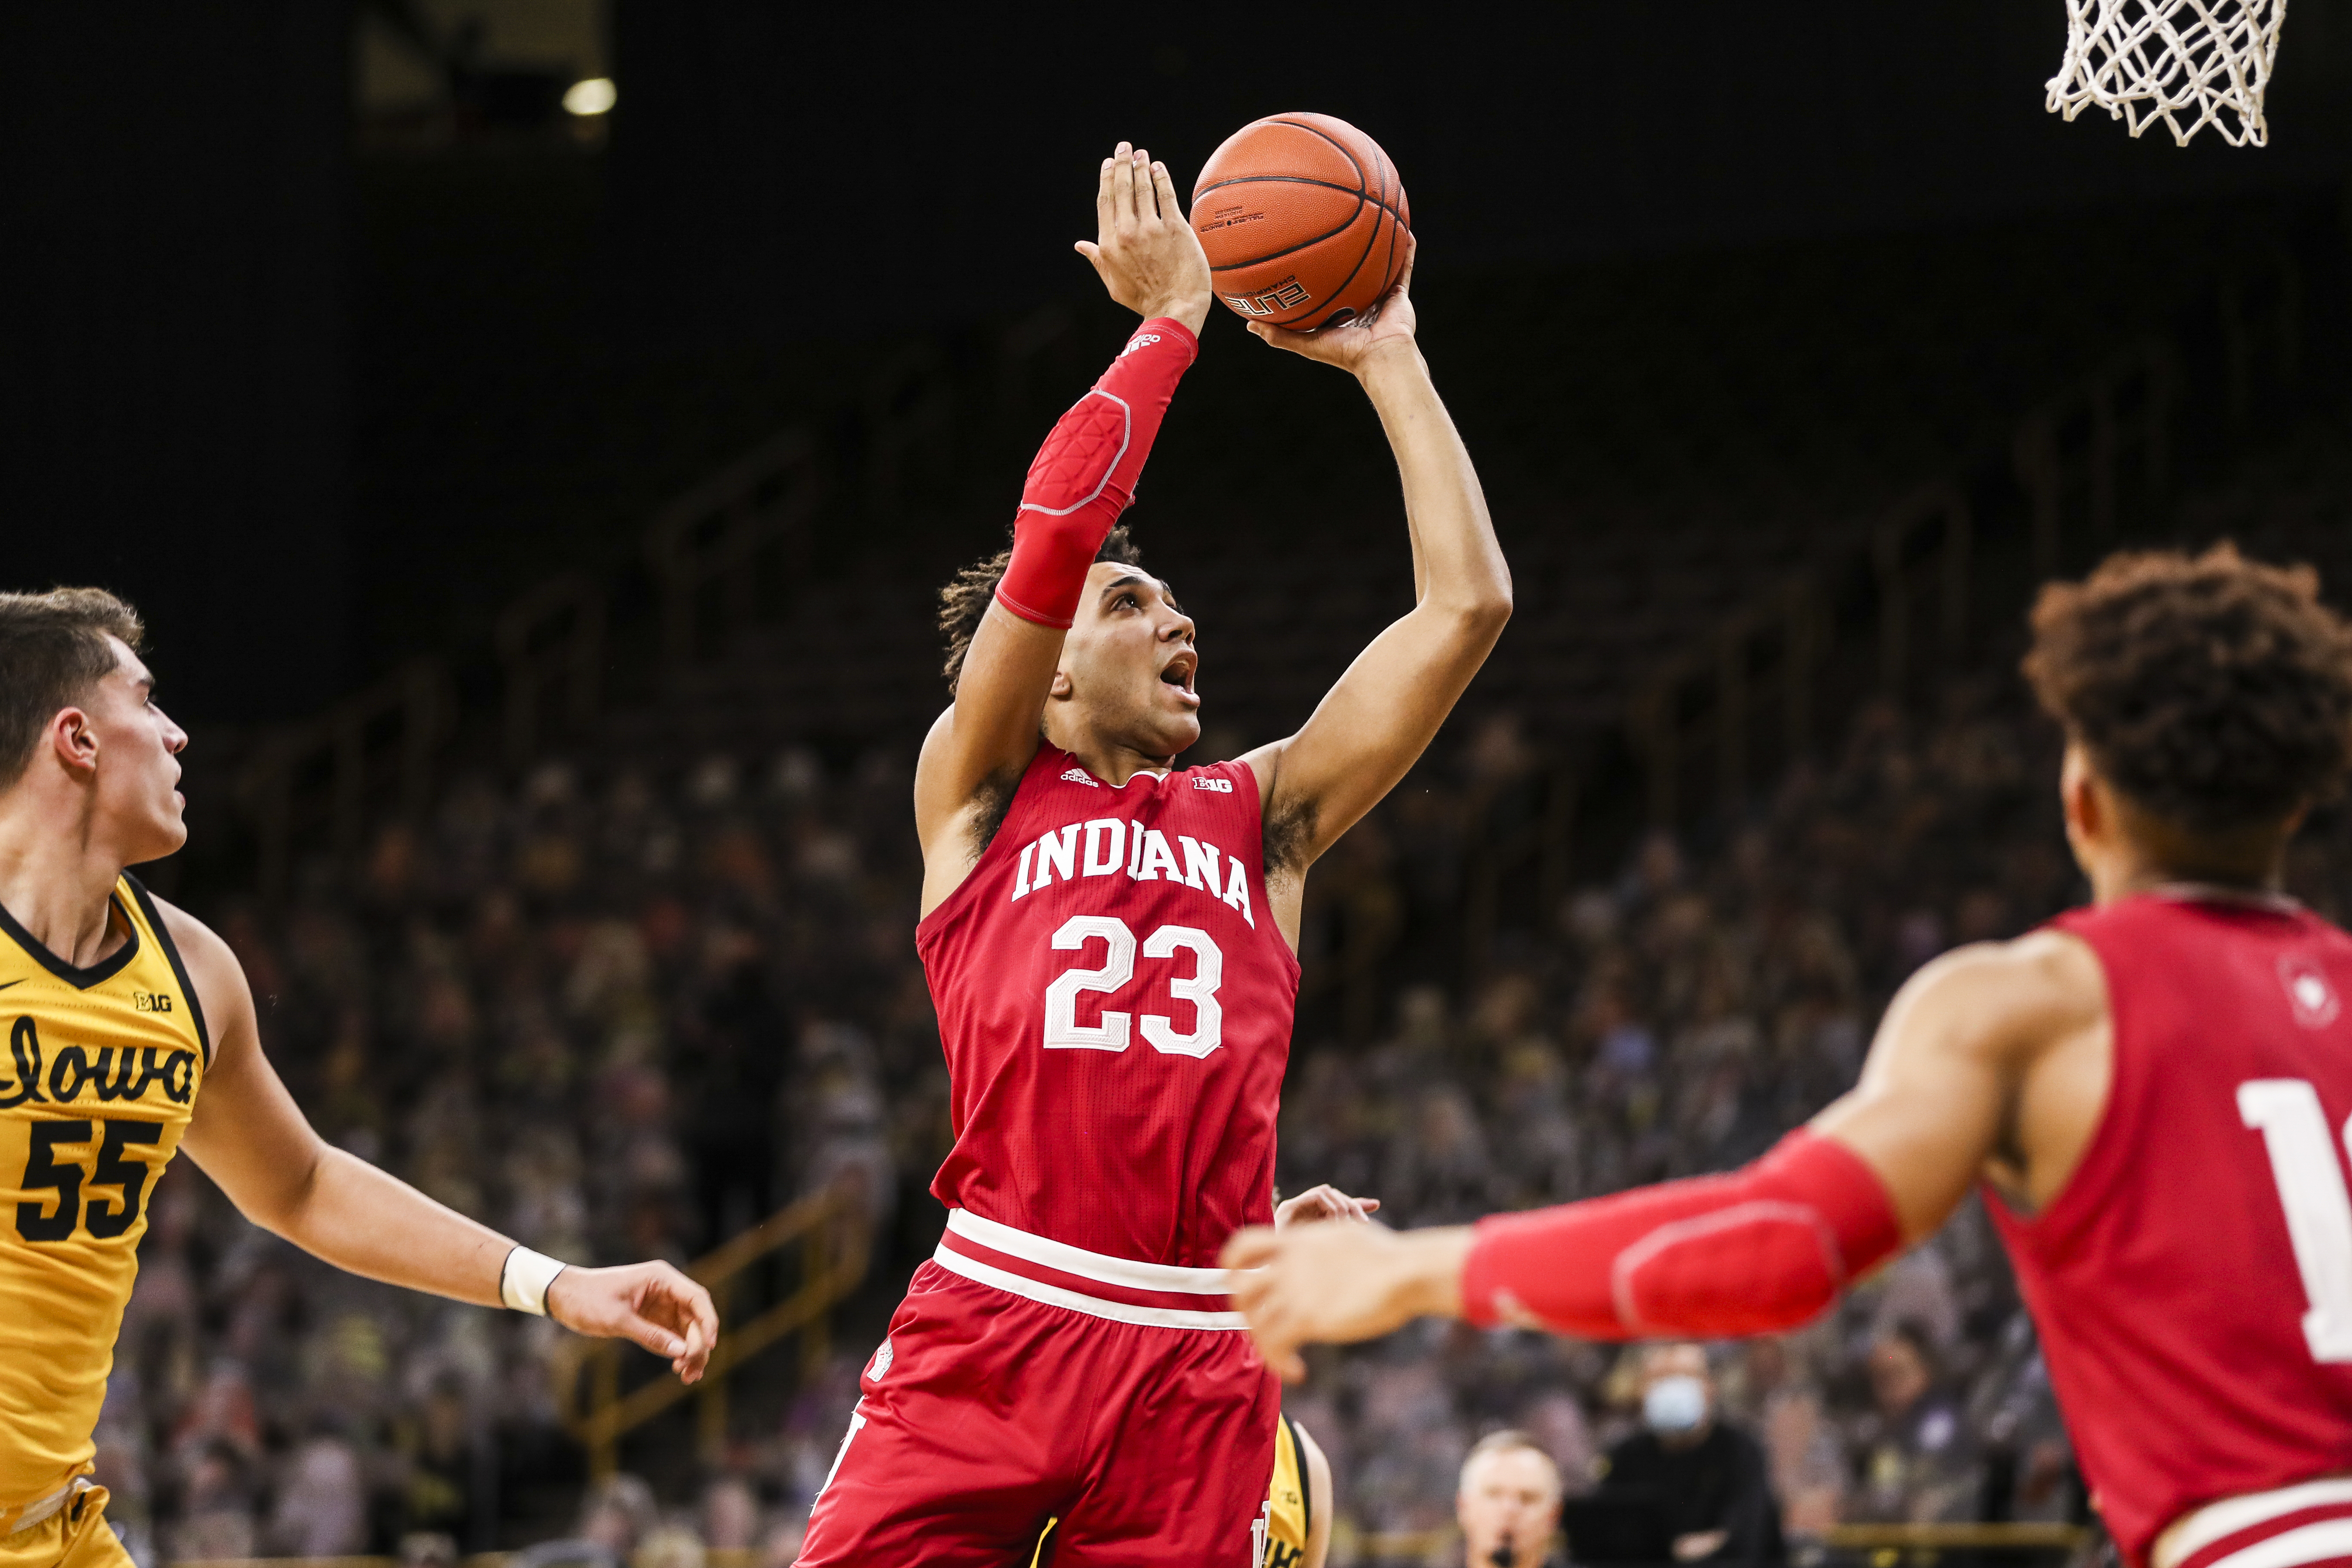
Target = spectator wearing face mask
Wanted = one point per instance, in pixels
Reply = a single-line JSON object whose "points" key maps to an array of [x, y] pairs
{"points": [[1709, 1479]]}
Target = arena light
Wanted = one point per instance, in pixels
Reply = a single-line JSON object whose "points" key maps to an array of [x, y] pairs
{"points": [[593, 96]]}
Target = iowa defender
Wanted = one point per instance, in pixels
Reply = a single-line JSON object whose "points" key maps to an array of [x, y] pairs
{"points": [[2154, 1092], [130, 1036]]}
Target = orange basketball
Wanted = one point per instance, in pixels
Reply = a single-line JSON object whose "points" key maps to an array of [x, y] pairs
{"points": [[1303, 219]]}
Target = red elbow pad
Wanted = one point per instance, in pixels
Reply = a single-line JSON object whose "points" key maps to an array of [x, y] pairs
{"points": [[1084, 474], [1759, 1251]]}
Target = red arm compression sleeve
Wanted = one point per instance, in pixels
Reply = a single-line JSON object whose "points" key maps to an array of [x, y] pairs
{"points": [[1759, 1251], [1084, 474]]}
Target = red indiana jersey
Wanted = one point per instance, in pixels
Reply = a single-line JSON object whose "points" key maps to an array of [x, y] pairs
{"points": [[2192, 1282], [1116, 1003]]}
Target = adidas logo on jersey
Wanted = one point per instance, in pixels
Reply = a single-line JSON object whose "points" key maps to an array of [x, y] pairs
{"points": [[1107, 847], [1080, 775]]}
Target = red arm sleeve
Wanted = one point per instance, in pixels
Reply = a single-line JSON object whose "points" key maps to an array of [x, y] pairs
{"points": [[1084, 474], [1761, 1250]]}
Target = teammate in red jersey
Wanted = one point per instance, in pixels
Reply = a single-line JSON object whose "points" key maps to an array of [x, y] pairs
{"points": [[2152, 1088], [1110, 947]]}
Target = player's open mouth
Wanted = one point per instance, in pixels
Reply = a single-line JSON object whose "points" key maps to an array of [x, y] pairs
{"points": [[1178, 673]]}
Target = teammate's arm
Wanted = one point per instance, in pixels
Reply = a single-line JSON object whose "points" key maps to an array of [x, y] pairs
{"points": [[1371, 728], [1318, 1499], [1991, 1062], [249, 1137], [1151, 262]]}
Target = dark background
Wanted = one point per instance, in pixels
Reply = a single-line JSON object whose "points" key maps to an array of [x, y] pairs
{"points": [[314, 403]]}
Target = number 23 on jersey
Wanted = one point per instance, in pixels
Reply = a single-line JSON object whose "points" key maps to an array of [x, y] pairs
{"points": [[1113, 1033]]}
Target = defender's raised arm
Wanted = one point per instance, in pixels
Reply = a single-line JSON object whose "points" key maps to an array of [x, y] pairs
{"points": [[1372, 726], [1083, 477]]}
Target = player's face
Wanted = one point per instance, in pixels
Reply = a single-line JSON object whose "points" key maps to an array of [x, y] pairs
{"points": [[138, 760], [1130, 661]]}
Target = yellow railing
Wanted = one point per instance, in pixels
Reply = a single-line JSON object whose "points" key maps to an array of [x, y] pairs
{"points": [[830, 1230], [1885, 1543]]}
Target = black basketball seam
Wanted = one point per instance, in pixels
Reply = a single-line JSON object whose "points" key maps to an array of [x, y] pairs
{"points": [[1370, 240], [1379, 202], [1302, 245]]}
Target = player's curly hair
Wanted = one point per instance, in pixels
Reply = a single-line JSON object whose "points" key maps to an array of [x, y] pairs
{"points": [[2214, 691], [966, 597]]}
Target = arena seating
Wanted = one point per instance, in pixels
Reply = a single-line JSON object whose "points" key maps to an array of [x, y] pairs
{"points": [[678, 920]]}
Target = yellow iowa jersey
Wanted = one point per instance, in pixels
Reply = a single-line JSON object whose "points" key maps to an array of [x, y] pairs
{"points": [[1286, 1517], [1288, 1512], [97, 1079]]}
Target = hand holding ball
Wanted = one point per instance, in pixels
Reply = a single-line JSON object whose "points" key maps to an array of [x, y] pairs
{"points": [[1303, 219]]}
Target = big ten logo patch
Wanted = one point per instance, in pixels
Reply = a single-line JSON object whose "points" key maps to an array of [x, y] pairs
{"points": [[1215, 785], [1287, 295]]}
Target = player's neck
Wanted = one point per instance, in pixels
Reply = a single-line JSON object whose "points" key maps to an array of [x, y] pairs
{"points": [[57, 871], [1113, 762], [2144, 875]]}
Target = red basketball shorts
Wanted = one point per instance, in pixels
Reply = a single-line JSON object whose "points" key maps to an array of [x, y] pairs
{"points": [[1024, 1381]]}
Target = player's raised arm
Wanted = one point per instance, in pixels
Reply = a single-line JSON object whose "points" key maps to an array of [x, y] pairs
{"points": [[1372, 726], [249, 1137], [1151, 261], [1970, 1074]]}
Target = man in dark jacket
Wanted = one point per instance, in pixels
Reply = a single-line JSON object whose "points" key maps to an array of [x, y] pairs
{"points": [[1710, 1479]]}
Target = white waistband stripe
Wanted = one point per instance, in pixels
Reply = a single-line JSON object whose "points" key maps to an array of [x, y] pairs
{"points": [[1054, 1296], [1086, 1265], [2317, 1542], [2193, 1532]]}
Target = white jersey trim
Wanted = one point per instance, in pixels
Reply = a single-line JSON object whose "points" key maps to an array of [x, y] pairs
{"points": [[1095, 1266], [2193, 1532], [2320, 1542], [1054, 1296]]}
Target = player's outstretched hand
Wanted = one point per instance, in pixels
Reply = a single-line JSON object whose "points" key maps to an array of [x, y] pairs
{"points": [[1322, 1201], [1332, 1284], [650, 1303], [1145, 252], [1386, 328]]}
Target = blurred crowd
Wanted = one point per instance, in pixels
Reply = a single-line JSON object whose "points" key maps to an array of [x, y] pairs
{"points": [[629, 1015], [617, 1023]]}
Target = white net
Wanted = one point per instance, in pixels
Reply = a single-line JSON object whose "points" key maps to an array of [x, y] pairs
{"points": [[2189, 63]]}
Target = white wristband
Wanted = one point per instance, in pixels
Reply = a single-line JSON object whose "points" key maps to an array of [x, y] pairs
{"points": [[523, 1283]]}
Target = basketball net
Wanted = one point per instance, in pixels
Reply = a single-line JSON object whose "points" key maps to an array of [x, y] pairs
{"points": [[2189, 63]]}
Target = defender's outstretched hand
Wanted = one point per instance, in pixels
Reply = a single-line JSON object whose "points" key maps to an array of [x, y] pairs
{"points": [[1146, 253], [1333, 1284], [650, 1303], [1353, 344], [1322, 1201]]}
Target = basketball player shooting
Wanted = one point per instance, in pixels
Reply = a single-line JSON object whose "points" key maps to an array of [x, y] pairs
{"points": [[2150, 1089], [132, 1034], [1110, 945]]}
